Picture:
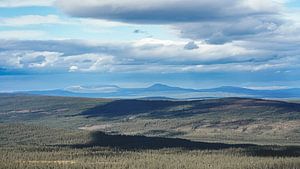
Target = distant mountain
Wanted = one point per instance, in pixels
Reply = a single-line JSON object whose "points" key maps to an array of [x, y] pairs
{"points": [[158, 98], [51, 92], [162, 87], [164, 91], [280, 93], [229, 89]]}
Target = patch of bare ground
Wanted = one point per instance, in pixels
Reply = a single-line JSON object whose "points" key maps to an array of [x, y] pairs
{"points": [[95, 127], [271, 128]]}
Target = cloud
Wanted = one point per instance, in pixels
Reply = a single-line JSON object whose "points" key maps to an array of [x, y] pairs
{"points": [[191, 46], [26, 20], [212, 21], [73, 68], [22, 3], [22, 34], [166, 11], [47, 26], [28, 59], [88, 62], [146, 55], [174, 52], [222, 32], [268, 87], [93, 89], [38, 61], [137, 31], [49, 60]]}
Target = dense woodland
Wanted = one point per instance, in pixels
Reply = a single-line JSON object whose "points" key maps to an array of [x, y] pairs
{"points": [[43, 132]]}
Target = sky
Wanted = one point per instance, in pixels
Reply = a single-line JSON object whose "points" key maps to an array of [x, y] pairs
{"points": [[55, 44]]}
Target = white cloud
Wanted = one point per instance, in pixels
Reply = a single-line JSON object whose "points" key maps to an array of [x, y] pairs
{"points": [[93, 89], [73, 68], [22, 34], [173, 52], [54, 60], [28, 59], [87, 62], [267, 87], [230, 67], [98, 23], [21, 3], [26, 20], [146, 55], [42, 23]]}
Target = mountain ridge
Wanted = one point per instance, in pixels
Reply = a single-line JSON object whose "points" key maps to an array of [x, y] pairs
{"points": [[165, 91]]}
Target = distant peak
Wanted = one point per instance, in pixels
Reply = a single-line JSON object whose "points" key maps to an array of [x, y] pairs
{"points": [[229, 87], [159, 86]]}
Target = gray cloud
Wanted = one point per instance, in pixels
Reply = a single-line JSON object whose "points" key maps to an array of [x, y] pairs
{"points": [[191, 46], [166, 11], [214, 21], [142, 32], [137, 31], [239, 29], [36, 60]]}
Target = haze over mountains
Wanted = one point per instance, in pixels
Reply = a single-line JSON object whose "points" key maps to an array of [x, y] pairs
{"points": [[161, 91]]}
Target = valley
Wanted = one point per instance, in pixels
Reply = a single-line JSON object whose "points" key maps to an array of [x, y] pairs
{"points": [[228, 119], [66, 132]]}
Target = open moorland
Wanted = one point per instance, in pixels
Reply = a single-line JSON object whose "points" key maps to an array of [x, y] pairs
{"points": [[62, 132]]}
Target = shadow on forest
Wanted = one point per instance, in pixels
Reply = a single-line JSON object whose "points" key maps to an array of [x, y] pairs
{"points": [[123, 142], [164, 108], [130, 107]]}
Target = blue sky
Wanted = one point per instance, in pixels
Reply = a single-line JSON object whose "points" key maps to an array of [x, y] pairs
{"points": [[49, 44]]}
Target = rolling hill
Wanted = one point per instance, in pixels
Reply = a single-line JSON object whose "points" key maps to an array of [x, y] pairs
{"points": [[226, 119], [161, 90]]}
